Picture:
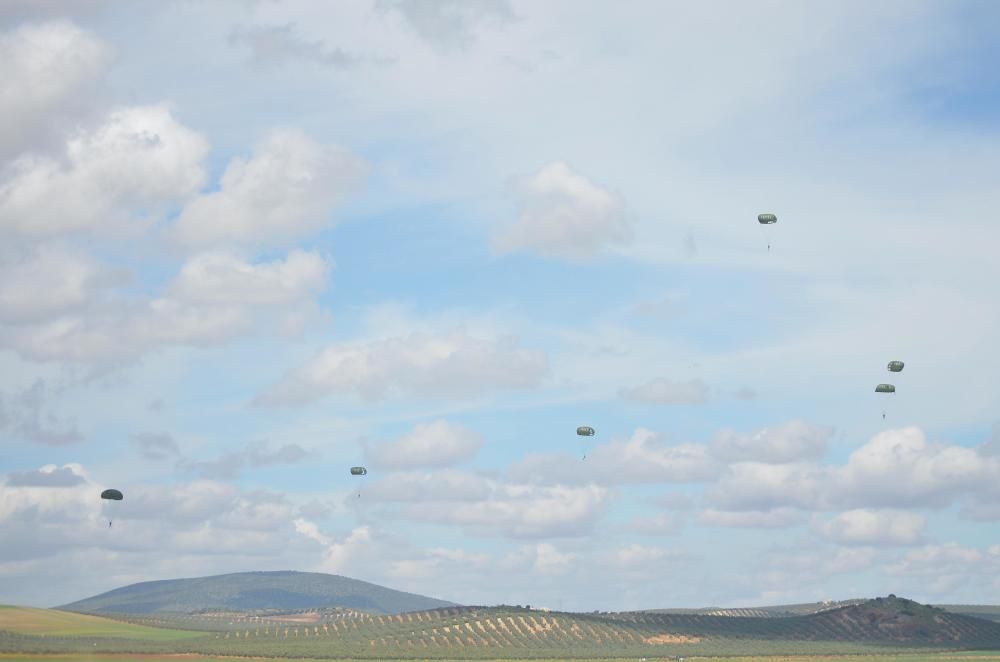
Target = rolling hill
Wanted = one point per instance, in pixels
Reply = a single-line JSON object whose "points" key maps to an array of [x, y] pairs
{"points": [[882, 626], [254, 590]]}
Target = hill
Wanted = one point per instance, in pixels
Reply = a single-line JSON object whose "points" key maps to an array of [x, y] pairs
{"points": [[883, 626], [245, 591]]}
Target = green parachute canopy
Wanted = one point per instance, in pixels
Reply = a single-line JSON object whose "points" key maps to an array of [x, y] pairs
{"points": [[885, 388], [895, 366], [585, 431], [113, 495], [767, 219], [359, 471]]}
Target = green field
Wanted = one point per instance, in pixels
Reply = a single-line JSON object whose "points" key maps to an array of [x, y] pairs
{"points": [[895, 629], [54, 623], [923, 657]]}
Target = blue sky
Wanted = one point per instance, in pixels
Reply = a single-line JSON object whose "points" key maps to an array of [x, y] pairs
{"points": [[249, 245]]}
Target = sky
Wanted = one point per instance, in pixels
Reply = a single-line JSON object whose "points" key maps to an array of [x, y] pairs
{"points": [[247, 245]]}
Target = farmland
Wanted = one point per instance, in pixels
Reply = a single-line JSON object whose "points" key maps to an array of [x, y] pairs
{"points": [[875, 628]]}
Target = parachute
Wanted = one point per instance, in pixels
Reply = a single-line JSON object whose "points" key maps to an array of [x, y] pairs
{"points": [[359, 471], [585, 431], [111, 495], [885, 388], [767, 219], [895, 366]]}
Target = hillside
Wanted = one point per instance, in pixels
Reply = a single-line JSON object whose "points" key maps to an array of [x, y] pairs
{"points": [[884, 625], [253, 591]]}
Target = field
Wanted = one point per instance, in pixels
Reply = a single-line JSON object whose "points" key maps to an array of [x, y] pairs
{"points": [[52, 623], [879, 630], [923, 657]]}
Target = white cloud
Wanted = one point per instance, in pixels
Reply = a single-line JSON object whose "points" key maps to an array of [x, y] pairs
{"points": [[874, 527], [896, 468], [47, 69], [131, 169], [287, 189], [69, 475], [49, 281], [550, 561], [214, 298], [778, 518], [646, 457], [900, 468], [790, 442], [566, 215], [760, 486], [664, 392], [519, 511], [451, 365], [435, 444], [223, 278]]}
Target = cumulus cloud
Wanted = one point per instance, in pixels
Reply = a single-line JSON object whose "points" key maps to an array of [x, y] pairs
{"points": [[338, 553], [645, 457], [135, 166], [484, 506], [153, 523], [449, 24], [664, 392], [874, 527], [901, 468], [566, 215], [47, 70], [790, 442], [948, 569], [518, 511], [896, 468], [224, 278], [214, 297], [450, 365], [50, 281], [760, 486], [25, 416], [436, 444], [48, 476], [288, 188]]}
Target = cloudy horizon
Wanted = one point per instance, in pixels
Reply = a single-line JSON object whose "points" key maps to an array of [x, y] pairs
{"points": [[248, 245]]}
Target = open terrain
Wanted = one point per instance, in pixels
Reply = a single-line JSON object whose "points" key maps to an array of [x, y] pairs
{"points": [[54, 623], [254, 590], [877, 627]]}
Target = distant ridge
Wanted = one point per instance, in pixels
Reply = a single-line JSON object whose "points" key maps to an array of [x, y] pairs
{"points": [[254, 591]]}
